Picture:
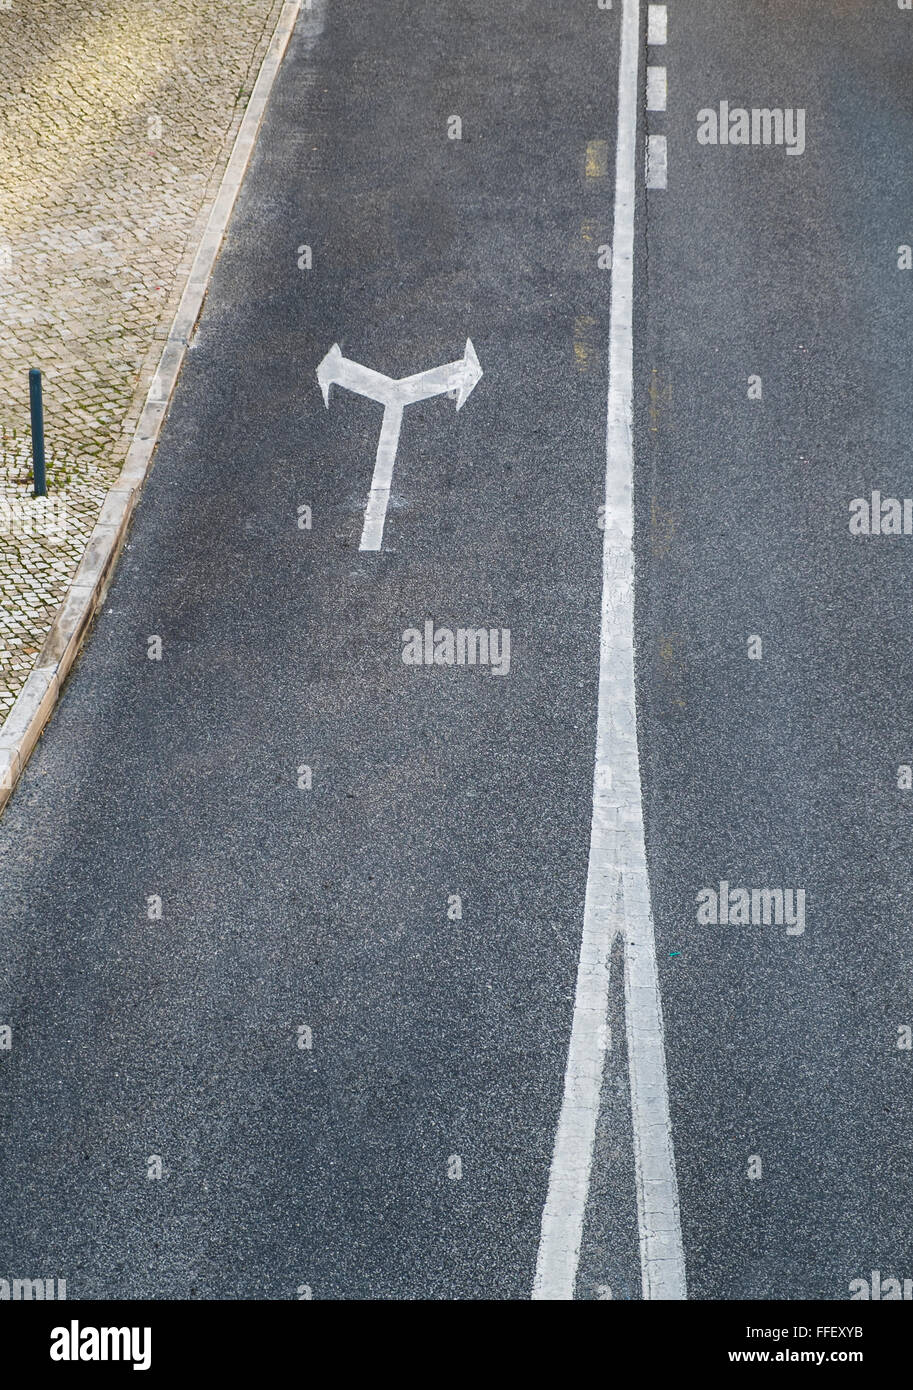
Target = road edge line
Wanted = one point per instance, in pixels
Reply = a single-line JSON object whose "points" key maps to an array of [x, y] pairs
{"points": [[86, 591], [617, 887]]}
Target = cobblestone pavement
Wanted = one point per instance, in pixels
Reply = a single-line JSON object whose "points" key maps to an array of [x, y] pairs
{"points": [[116, 120]]}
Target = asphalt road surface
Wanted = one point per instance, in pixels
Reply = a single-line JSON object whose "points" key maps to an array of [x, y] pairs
{"points": [[290, 926]]}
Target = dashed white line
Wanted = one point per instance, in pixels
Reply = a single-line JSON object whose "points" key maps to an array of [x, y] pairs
{"points": [[657, 23], [656, 161], [656, 89], [617, 891]]}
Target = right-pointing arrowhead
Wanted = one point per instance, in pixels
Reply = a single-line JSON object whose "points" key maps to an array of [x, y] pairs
{"points": [[471, 373], [328, 372]]}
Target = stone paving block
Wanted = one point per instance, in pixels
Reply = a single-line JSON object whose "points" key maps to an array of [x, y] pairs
{"points": [[116, 123]]}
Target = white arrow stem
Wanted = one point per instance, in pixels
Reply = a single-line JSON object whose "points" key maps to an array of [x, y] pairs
{"points": [[376, 512]]}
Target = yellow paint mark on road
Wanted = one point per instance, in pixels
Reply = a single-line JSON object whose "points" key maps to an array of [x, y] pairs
{"points": [[589, 231], [662, 530], [597, 159], [586, 342], [660, 394], [674, 667]]}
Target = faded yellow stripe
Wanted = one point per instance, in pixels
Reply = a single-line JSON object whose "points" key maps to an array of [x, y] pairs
{"points": [[597, 159]]}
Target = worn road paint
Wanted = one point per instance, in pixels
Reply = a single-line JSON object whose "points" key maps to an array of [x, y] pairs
{"points": [[597, 159]]}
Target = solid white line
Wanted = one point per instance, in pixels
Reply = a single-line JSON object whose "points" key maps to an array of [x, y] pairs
{"points": [[657, 24], [656, 162], [617, 891], [372, 533], [656, 89]]}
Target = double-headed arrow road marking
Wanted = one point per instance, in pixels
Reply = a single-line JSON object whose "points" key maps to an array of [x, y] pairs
{"points": [[394, 396]]}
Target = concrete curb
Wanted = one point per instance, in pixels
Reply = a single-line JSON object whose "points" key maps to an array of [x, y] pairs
{"points": [[34, 705]]}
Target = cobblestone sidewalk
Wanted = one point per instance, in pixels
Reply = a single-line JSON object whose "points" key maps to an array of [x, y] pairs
{"points": [[116, 121]]}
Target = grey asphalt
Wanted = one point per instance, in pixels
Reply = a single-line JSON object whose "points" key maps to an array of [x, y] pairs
{"points": [[783, 771], [282, 907]]}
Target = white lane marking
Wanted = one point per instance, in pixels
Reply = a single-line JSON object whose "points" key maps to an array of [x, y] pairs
{"points": [[376, 511], [656, 89], [657, 23], [617, 891], [656, 161], [458, 378]]}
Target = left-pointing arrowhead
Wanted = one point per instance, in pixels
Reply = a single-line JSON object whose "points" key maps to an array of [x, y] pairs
{"points": [[471, 373], [328, 372]]}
